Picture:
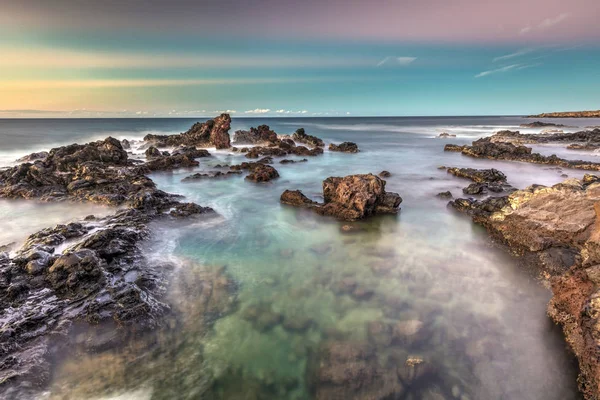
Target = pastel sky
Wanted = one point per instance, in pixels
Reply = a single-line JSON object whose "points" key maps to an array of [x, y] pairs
{"points": [[127, 58]]}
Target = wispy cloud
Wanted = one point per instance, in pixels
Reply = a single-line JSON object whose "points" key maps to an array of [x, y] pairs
{"points": [[393, 60], [258, 111], [547, 23], [517, 53], [512, 67], [282, 111]]}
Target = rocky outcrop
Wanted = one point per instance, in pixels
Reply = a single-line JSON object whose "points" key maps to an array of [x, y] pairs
{"points": [[555, 231], [445, 135], [486, 148], [153, 152], [568, 114], [282, 149], [301, 136], [345, 147], [349, 198], [540, 124], [214, 132], [93, 270], [288, 161], [516, 137], [260, 134], [485, 180], [259, 171], [385, 174], [33, 156], [584, 146]]}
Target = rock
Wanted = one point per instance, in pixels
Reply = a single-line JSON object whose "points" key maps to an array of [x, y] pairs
{"points": [[262, 317], [555, 231], [350, 198], [414, 369], [300, 136], [478, 175], [214, 132], [444, 195], [486, 148], [216, 174], [153, 152], [515, 137], [33, 156], [191, 152], [444, 135], [167, 163], [539, 124], [259, 172], [583, 146], [385, 174], [76, 274], [286, 161], [568, 114], [260, 134], [405, 332], [379, 333], [350, 370], [345, 147], [126, 144]]}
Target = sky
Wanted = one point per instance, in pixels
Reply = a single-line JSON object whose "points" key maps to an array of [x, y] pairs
{"points": [[181, 58]]}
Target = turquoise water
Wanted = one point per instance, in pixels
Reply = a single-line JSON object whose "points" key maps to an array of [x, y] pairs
{"points": [[286, 283]]}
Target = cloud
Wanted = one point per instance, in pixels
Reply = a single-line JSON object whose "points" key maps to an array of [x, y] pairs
{"points": [[258, 111], [547, 23], [513, 67], [401, 61], [517, 53]]}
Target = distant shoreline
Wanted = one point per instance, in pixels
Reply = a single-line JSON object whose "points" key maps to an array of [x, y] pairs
{"points": [[568, 114]]}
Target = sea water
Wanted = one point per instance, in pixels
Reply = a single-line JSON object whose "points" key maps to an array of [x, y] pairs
{"points": [[482, 317]]}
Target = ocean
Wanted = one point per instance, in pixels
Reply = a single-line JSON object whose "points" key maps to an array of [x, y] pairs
{"points": [[481, 318]]}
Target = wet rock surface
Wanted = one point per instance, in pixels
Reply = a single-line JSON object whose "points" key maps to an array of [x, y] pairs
{"points": [[260, 134], [587, 136], [345, 147], [301, 136], [540, 124], [210, 175], [258, 171], [349, 198], [214, 132], [555, 231], [486, 148], [485, 180]]}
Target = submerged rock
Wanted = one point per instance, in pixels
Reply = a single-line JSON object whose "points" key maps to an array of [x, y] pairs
{"points": [[214, 132], [385, 174], [345, 147], [350, 198], [215, 174]]}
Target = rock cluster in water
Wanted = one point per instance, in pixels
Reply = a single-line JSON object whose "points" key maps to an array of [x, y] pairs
{"points": [[349, 198], [214, 132], [488, 148], [484, 180], [345, 147], [516, 137]]}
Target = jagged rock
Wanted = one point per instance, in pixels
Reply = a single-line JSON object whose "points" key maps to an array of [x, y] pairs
{"points": [[300, 136], [516, 137], [444, 195], [385, 174], [259, 172], [350, 198], [33, 156], [539, 124], [478, 175], [260, 134], [214, 132], [444, 135], [345, 147]]}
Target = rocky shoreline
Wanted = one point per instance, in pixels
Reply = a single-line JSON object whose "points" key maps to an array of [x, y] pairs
{"points": [[568, 114], [553, 232]]}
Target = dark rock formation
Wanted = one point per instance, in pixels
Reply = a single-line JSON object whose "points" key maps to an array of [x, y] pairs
{"points": [[214, 132], [556, 232], [444, 135], [385, 174], [540, 124], [153, 152], [33, 156], [484, 180], [215, 174], [486, 148], [444, 195], [345, 147], [282, 149], [300, 136], [583, 146], [260, 134], [259, 172], [288, 161], [126, 144], [101, 275], [350, 198]]}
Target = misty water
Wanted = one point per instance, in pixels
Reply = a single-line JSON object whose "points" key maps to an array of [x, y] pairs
{"points": [[301, 282]]}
